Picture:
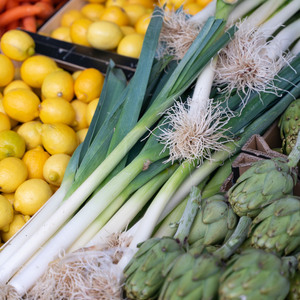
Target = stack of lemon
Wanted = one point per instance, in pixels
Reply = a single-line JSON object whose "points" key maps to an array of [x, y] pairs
{"points": [[45, 113]]}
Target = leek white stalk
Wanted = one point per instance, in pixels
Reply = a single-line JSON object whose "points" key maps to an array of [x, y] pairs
{"points": [[208, 11], [296, 49]]}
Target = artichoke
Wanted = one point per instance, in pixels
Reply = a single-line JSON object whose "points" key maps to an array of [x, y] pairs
{"points": [[214, 223], [277, 227], [289, 125], [255, 274], [196, 274], [145, 273], [265, 181], [294, 293]]}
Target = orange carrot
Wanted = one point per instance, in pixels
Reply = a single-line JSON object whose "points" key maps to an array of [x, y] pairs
{"points": [[2, 4], [29, 23], [40, 9], [9, 5]]}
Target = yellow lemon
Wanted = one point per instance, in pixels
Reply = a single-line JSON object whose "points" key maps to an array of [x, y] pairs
{"points": [[115, 14], [59, 83], [6, 212], [11, 144], [120, 3], [62, 33], [91, 108], [10, 197], [59, 138], [80, 114], [13, 172], [7, 70], [35, 159], [127, 29], [31, 132], [69, 17], [192, 8], [13, 122], [203, 3], [104, 35], [134, 12], [31, 195], [76, 74], [142, 23], [35, 68], [145, 3], [55, 167], [57, 110], [97, 1], [92, 11], [81, 134], [178, 3], [88, 85], [4, 122], [21, 105], [131, 45], [17, 45], [16, 84], [78, 31], [17, 223]]}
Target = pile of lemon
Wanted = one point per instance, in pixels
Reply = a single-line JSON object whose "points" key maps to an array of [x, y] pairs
{"points": [[45, 113], [115, 25]]}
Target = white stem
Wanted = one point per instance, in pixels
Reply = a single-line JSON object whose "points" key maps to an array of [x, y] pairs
{"points": [[271, 25], [242, 9], [202, 90], [208, 11], [263, 12], [296, 49], [282, 41]]}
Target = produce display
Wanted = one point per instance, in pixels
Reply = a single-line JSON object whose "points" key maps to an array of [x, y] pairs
{"points": [[150, 198]]}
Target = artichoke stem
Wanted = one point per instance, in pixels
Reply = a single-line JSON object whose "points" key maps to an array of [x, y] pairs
{"points": [[290, 264], [294, 156], [188, 215], [235, 240]]}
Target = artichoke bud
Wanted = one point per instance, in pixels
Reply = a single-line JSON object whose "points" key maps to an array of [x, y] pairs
{"points": [[214, 222], [254, 274], [294, 293], [276, 228]]}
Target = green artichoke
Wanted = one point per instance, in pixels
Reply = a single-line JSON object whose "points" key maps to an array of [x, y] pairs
{"points": [[214, 223], [255, 274], [277, 227], [265, 181], [294, 293], [195, 274], [289, 125]]}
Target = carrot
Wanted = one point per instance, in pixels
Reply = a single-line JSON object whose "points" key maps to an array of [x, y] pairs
{"points": [[9, 5], [40, 9], [29, 23], [2, 4]]}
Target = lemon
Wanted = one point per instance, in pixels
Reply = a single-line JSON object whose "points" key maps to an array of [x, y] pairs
{"points": [[131, 45], [59, 138], [78, 31], [80, 114], [13, 172], [16, 84], [203, 3], [59, 83], [31, 132], [76, 74], [92, 11], [88, 85], [69, 17], [35, 159], [17, 45], [57, 110], [115, 14], [55, 167], [90, 111], [6, 212], [17, 223], [145, 3], [35, 68], [4, 122], [192, 8], [142, 23], [62, 33], [134, 12], [127, 29], [104, 35], [13, 122], [120, 3], [10, 197], [21, 105], [31, 195], [97, 1], [81, 134], [11, 144], [178, 3], [7, 70]]}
